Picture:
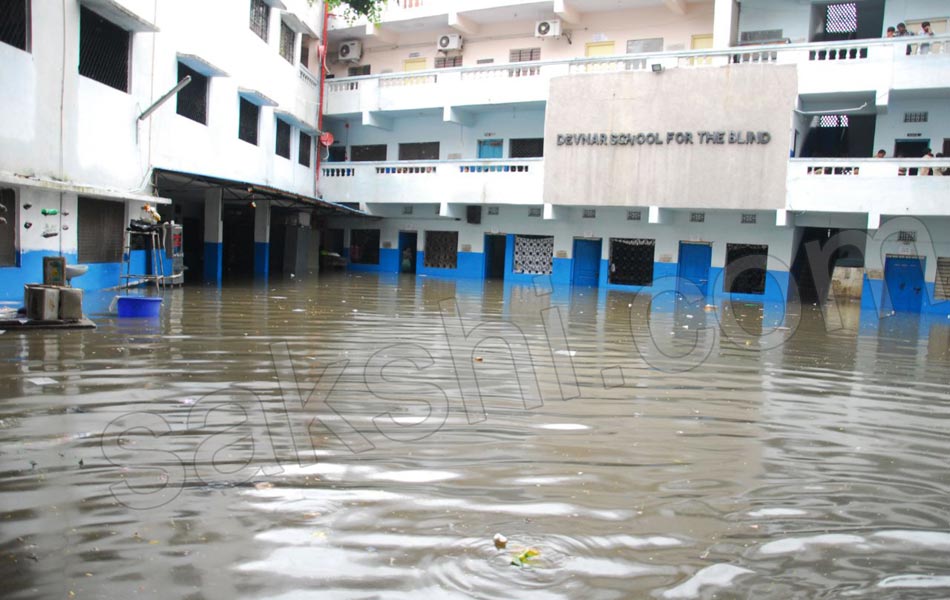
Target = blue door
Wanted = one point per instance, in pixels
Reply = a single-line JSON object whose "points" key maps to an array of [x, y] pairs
{"points": [[694, 263], [407, 251], [490, 148], [586, 262], [904, 280]]}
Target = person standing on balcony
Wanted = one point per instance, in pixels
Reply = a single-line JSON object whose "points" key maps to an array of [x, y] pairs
{"points": [[942, 170], [902, 32], [890, 32], [882, 153], [927, 170], [926, 31]]}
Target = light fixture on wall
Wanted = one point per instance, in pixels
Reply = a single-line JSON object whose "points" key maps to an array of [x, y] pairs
{"points": [[657, 67]]}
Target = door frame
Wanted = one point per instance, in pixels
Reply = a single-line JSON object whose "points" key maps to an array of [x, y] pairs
{"points": [[403, 239], [504, 257], [679, 262], [922, 261]]}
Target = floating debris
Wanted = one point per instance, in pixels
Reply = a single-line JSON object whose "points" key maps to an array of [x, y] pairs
{"points": [[523, 559], [500, 541]]}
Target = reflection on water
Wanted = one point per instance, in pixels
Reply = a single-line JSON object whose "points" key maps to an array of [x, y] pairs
{"points": [[682, 450]]}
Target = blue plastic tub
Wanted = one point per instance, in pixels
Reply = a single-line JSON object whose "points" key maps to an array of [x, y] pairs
{"points": [[136, 306]]}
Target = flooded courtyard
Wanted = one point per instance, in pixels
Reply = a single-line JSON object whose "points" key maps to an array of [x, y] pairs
{"points": [[364, 436]]}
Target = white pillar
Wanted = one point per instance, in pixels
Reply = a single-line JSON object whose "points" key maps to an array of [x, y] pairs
{"points": [[725, 24]]}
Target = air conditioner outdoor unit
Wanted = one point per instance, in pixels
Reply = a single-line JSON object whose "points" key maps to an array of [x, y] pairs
{"points": [[350, 51], [547, 28], [449, 41]]}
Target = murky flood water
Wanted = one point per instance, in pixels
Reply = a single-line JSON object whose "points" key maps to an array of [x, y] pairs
{"points": [[324, 439]]}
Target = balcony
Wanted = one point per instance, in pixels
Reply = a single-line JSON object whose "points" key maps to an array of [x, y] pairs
{"points": [[873, 186], [872, 67], [512, 181]]}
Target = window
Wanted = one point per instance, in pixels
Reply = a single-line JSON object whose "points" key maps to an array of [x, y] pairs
{"points": [[447, 62], [8, 228], [283, 139], [364, 246], [644, 45], [419, 151], [697, 217], [15, 23], [942, 282], [534, 212], [492, 210], [633, 215], [358, 71], [367, 153], [748, 219], [441, 249], [104, 50], [833, 121], [303, 153], [745, 268], [100, 230], [407, 209], [249, 121], [916, 117], [841, 18], [193, 98], [526, 148], [631, 261], [260, 18], [287, 38], [305, 50], [906, 236], [485, 61], [524, 55], [590, 213], [534, 254], [761, 36]]}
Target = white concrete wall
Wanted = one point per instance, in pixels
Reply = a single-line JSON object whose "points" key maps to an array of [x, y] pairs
{"points": [[891, 125]]}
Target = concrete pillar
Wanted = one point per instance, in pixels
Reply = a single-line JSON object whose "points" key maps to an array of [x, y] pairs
{"points": [[725, 24], [214, 236], [262, 238]]}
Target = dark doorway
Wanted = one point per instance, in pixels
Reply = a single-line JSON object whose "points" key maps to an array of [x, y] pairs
{"points": [[496, 246], [910, 148], [631, 261], [408, 244], [809, 289], [238, 241], [746, 268], [194, 249], [840, 136]]}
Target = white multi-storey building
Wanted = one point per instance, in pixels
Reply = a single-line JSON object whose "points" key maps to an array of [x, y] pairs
{"points": [[646, 144], [231, 155]]}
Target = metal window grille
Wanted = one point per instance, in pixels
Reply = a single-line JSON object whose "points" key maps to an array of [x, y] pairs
{"points": [[441, 249], [248, 121], [407, 209], [364, 246], [534, 211], [745, 268], [906, 236], [942, 284], [447, 62], [193, 98], [645, 45], [524, 55], [631, 261], [305, 50], [15, 23], [534, 254], [748, 219], [916, 117], [697, 217], [485, 61], [372, 152], [526, 148], [104, 50], [590, 213], [303, 152], [100, 230], [358, 71], [283, 139], [633, 215], [492, 210], [287, 36], [260, 18], [841, 18], [833, 121], [419, 151], [8, 228]]}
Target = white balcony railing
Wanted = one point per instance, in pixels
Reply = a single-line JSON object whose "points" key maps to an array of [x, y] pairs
{"points": [[512, 181], [866, 65], [882, 186]]}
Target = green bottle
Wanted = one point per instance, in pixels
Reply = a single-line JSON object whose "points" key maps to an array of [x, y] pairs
{"points": [[49, 212]]}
